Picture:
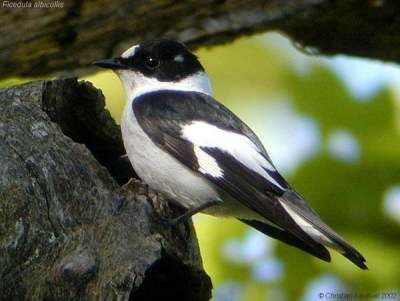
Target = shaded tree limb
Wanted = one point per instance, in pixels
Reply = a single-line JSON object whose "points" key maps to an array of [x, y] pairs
{"points": [[38, 42]]}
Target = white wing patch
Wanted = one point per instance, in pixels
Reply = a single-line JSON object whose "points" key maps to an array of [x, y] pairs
{"points": [[202, 134], [208, 165]]}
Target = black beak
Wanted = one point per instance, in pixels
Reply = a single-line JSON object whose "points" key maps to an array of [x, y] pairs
{"points": [[114, 63]]}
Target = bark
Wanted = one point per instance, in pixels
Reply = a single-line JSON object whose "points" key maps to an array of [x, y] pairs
{"points": [[58, 40], [68, 230]]}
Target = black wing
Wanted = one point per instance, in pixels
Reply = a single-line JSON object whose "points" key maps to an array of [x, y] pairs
{"points": [[164, 114]]}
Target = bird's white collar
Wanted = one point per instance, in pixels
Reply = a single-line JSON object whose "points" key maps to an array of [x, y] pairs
{"points": [[136, 84]]}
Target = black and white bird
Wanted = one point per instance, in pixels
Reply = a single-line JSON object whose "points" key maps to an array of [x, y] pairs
{"points": [[186, 145]]}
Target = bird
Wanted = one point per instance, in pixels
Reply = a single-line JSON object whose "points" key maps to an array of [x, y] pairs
{"points": [[192, 149]]}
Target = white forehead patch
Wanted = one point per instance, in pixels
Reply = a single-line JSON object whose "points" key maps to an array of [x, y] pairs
{"points": [[130, 52], [179, 58]]}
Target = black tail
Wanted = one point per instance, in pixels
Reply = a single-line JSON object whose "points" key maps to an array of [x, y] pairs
{"points": [[296, 203], [320, 251], [347, 250]]}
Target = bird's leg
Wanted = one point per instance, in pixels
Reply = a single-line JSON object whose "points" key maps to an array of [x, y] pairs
{"points": [[189, 213]]}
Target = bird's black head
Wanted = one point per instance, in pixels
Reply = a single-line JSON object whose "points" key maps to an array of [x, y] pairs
{"points": [[165, 60]]}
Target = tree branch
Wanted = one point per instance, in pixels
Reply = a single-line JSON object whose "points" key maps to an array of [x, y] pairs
{"points": [[68, 231], [59, 40]]}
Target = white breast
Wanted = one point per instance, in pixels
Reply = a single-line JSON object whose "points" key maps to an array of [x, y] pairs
{"points": [[160, 170], [165, 174], [157, 168]]}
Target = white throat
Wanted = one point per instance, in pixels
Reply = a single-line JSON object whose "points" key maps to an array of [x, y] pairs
{"points": [[136, 84]]}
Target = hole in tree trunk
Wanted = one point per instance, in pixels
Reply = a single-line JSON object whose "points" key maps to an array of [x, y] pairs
{"points": [[168, 279]]}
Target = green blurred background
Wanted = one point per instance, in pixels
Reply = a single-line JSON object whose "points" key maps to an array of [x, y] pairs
{"points": [[332, 127]]}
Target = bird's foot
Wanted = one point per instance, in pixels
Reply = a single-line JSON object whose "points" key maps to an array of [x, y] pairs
{"points": [[188, 214]]}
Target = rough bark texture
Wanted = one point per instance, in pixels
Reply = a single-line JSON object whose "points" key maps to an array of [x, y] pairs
{"points": [[68, 231], [57, 40]]}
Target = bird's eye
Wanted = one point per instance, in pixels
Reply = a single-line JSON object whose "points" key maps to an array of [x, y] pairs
{"points": [[152, 62]]}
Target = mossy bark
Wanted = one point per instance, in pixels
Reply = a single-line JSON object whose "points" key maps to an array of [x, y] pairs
{"points": [[71, 228]]}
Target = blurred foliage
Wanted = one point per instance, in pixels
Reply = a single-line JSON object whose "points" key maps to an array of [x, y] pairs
{"points": [[250, 76], [348, 195], [13, 81]]}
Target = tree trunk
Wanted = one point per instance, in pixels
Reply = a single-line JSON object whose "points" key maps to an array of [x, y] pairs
{"points": [[68, 230], [69, 38]]}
